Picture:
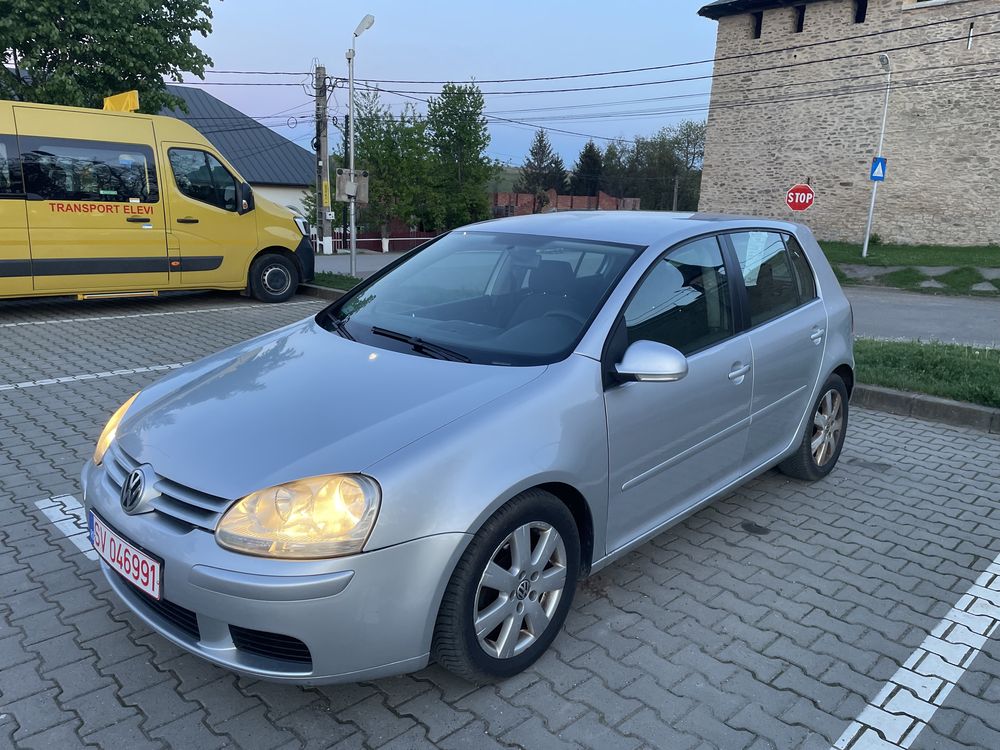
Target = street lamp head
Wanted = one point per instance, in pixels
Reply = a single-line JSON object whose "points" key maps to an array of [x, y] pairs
{"points": [[366, 23], [883, 60]]}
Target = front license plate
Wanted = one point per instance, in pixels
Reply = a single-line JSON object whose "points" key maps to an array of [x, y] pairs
{"points": [[138, 568]]}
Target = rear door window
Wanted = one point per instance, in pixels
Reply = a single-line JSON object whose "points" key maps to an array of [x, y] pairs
{"points": [[767, 274], [10, 169], [66, 169], [199, 175], [803, 271]]}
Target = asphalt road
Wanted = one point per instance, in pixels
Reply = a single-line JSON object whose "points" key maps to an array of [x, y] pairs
{"points": [[893, 314], [856, 611]]}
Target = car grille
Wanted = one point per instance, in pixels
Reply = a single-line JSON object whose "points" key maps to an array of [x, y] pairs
{"points": [[271, 645], [181, 503], [184, 619]]}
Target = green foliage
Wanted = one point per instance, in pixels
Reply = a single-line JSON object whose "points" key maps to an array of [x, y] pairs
{"points": [[904, 278], [961, 280], [460, 170], [588, 172], [963, 373], [874, 239], [77, 53], [335, 280], [542, 170], [649, 168]]}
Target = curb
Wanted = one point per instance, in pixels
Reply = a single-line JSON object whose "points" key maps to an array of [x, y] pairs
{"points": [[907, 404], [323, 292]]}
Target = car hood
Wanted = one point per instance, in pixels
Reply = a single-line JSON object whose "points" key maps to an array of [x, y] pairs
{"points": [[299, 402]]}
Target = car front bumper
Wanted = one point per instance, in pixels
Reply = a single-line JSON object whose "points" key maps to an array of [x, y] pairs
{"points": [[311, 621]]}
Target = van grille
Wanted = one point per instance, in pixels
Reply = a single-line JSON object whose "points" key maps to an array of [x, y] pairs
{"points": [[181, 503]]}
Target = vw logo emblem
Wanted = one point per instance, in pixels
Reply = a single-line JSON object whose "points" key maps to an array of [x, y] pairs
{"points": [[132, 490], [522, 590]]}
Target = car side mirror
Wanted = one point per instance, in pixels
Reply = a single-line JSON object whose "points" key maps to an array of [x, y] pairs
{"points": [[652, 361], [246, 198]]}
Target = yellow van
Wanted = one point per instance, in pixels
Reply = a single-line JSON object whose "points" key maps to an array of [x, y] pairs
{"points": [[109, 204]]}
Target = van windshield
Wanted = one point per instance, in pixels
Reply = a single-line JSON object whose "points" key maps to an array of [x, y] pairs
{"points": [[486, 297]]}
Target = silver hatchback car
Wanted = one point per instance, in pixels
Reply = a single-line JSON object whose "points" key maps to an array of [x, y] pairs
{"points": [[426, 468]]}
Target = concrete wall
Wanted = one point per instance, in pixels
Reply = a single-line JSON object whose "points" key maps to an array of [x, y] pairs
{"points": [[282, 195], [942, 140]]}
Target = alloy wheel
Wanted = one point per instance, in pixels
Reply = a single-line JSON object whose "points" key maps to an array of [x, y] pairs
{"points": [[520, 590], [828, 423]]}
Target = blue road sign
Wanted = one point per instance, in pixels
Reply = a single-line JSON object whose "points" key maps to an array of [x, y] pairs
{"points": [[878, 169]]}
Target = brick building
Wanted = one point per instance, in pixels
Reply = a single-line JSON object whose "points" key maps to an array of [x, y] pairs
{"points": [[810, 107], [519, 204]]}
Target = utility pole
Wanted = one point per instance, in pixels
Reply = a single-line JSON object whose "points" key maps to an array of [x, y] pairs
{"points": [[677, 181], [347, 135], [884, 62], [324, 234]]}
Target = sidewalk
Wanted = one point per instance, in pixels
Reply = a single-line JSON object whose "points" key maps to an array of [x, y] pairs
{"points": [[367, 262], [893, 314]]}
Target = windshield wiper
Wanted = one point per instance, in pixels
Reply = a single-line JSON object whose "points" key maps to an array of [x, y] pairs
{"points": [[421, 346], [339, 325]]}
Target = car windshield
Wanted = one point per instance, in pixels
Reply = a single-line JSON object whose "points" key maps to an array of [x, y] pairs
{"points": [[485, 297]]}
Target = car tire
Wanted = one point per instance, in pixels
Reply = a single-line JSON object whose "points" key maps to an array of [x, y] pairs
{"points": [[503, 583], [273, 278], [823, 438]]}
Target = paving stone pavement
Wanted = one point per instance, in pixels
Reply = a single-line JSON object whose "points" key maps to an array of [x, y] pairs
{"points": [[709, 636]]}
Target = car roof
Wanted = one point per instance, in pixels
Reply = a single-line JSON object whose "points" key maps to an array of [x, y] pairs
{"points": [[643, 228]]}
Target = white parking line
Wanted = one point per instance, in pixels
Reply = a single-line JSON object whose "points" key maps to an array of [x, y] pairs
{"points": [[901, 710], [67, 515], [154, 314], [89, 376]]}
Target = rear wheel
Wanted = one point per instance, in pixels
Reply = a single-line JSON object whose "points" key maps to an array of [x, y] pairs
{"points": [[510, 592], [824, 434], [273, 278]]}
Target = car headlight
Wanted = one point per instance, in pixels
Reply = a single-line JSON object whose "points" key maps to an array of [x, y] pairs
{"points": [[110, 429], [324, 516], [303, 225]]}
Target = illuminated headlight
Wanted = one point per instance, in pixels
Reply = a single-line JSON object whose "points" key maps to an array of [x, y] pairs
{"points": [[110, 430], [323, 516], [303, 225]]}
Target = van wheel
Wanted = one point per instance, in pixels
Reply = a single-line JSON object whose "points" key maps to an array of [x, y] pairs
{"points": [[511, 590], [824, 434], [273, 278]]}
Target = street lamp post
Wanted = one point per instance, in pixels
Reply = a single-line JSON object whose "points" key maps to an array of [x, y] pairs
{"points": [[352, 192], [883, 60]]}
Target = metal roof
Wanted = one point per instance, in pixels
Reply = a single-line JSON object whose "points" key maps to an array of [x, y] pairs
{"points": [[262, 156], [719, 8]]}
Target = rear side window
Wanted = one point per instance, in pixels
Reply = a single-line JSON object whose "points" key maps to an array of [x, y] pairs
{"points": [[684, 300], [65, 169], [767, 274], [10, 168], [201, 176], [803, 272]]}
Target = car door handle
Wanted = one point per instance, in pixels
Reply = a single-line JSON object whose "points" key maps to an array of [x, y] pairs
{"points": [[817, 335], [138, 220], [738, 372], [187, 220]]}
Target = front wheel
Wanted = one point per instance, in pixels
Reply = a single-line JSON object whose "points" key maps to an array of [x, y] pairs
{"points": [[511, 590], [273, 278], [824, 434]]}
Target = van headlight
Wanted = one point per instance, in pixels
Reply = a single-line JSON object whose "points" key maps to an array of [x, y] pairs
{"points": [[303, 225], [110, 430], [324, 516]]}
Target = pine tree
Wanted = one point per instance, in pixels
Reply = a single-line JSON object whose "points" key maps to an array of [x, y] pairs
{"points": [[536, 172], [557, 179], [588, 170]]}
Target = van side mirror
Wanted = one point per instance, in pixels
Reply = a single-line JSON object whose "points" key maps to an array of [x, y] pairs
{"points": [[246, 198], [653, 362]]}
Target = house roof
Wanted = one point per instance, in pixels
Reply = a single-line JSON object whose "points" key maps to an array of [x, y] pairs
{"points": [[261, 155], [719, 8]]}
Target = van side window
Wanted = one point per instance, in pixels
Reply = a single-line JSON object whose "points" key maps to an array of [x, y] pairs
{"points": [[10, 168], [66, 169], [201, 176]]}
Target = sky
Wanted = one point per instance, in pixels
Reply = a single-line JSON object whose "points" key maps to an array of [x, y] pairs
{"points": [[459, 41]]}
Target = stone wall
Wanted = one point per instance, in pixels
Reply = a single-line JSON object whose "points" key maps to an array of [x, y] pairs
{"points": [[771, 129]]}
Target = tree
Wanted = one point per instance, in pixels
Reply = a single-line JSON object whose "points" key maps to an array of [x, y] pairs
{"points": [[588, 171], [458, 137], [614, 174], [393, 150], [556, 178], [77, 53], [536, 170]]}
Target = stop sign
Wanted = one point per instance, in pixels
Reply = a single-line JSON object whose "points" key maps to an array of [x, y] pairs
{"points": [[800, 197]]}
